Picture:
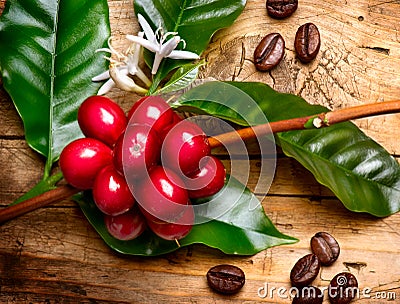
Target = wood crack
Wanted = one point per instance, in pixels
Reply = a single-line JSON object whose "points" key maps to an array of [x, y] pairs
{"points": [[377, 49]]}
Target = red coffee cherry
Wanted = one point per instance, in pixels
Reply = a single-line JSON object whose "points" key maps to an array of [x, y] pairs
{"points": [[126, 226], [160, 196], [174, 231], [184, 146], [176, 119], [153, 111], [208, 180], [111, 192], [136, 151], [81, 160], [101, 118]]}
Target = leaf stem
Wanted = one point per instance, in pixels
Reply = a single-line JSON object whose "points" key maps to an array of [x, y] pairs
{"points": [[324, 119], [47, 168]]}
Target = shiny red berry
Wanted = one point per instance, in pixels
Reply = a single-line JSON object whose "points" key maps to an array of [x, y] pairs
{"points": [[208, 180], [160, 196], [174, 231], [81, 160], [163, 133], [111, 193], [136, 151], [101, 118], [153, 111], [184, 146], [126, 226]]}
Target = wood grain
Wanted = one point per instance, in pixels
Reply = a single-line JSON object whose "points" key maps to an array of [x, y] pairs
{"points": [[53, 255]]}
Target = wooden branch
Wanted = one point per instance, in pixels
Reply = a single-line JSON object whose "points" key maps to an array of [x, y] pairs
{"points": [[58, 194], [309, 122]]}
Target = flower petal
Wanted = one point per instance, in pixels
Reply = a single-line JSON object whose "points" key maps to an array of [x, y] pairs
{"points": [[106, 87], [131, 64], [146, 28], [124, 82], [133, 56], [156, 63], [103, 76], [177, 54], [169, 46], [153, 47]]}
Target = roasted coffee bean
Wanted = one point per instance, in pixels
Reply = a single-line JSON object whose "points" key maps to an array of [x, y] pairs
{"points": [[308, 295], [226, 279], [281, 9], [325, 247], [307, 42], [305, 270], [269, 52], [343, 288]]}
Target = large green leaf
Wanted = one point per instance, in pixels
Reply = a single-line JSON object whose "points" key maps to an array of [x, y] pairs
{"points": [[361, 173], [47, 61], [243, 229], [195, 21]]}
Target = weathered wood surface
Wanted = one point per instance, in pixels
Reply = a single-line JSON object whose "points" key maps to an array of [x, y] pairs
{"points": [[53, 255]]}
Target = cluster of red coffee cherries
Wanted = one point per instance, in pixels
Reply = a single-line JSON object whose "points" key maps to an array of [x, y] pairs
{"points": [[143, 168]]}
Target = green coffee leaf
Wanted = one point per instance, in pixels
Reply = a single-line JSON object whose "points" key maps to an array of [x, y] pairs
{"points": [[47, 61]]}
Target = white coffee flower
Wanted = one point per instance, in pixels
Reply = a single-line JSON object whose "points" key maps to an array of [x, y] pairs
{"points": [[120, 68], [158, 43]]}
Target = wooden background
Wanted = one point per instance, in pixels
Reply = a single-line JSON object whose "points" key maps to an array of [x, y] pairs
{"points": [[53, 255]]}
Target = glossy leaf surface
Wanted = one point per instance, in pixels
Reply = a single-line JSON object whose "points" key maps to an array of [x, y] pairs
{"points": [[360, 172], [47, 61], [240, 230], [181, 79]]}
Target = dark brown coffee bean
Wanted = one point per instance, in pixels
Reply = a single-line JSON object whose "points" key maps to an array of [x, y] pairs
{"points": [[269, 52], [226, 279], [307, 42], [305, 270], [281, 9], [308, 295], [325, 247], [343, 288]]}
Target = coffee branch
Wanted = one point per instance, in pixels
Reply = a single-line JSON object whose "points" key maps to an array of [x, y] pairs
{"points": [[321, 120]]}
